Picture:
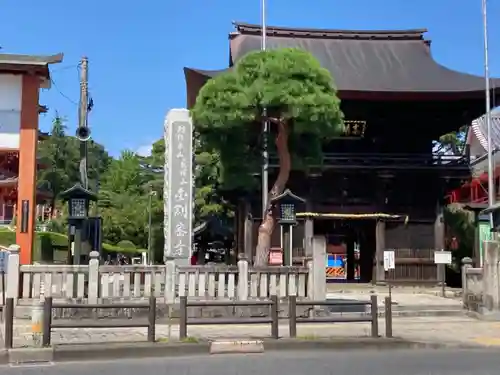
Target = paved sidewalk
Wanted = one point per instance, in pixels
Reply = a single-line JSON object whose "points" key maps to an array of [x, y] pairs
{"points": [[401, 299], [396, 289], [453, 331]]}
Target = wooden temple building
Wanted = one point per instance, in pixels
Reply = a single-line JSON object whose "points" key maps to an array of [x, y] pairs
{"points": [[380, 185]]}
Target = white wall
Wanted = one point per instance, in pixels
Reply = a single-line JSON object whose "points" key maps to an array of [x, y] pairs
{"points": [[10, 110]]}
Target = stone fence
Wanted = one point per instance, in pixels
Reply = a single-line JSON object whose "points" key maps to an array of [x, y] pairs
{"points": [[481, 286], [472, 285], [94, 282]]}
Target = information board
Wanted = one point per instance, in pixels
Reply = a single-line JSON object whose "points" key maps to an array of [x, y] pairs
{"points": [[389, 260]]}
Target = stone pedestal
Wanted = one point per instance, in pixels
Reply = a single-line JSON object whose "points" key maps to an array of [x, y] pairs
{"points": [[491, 289], [319, 267]]}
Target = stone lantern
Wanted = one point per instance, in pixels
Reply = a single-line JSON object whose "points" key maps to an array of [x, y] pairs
{"points": [[287, 205], [78, 199]]}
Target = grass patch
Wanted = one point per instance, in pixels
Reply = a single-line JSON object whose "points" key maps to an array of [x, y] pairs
{"points": [[309, 337], [190, 339]]}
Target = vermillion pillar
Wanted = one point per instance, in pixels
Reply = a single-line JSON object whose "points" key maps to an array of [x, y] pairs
{"points": [[26, 195]]}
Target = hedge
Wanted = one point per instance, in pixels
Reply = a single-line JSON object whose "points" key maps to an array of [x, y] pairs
{"points": [[46, 243]]}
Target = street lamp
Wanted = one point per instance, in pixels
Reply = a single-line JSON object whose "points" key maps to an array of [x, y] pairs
{"points": [[152, 194], [287, 204], [78, 199]]}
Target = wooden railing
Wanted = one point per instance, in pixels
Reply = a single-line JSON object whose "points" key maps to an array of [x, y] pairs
{"points": [[94, 282], [387, 160], [414, 266]]}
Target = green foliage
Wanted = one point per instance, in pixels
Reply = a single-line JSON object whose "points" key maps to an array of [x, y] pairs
{"points": [[291, 85], [124, 175], [44, 244], [208, 198], [124, 203], [7, 237], [109, 248], [454, 141], [60, 154], [125, 185], [48, 242], [460, 224], [126, 244]]}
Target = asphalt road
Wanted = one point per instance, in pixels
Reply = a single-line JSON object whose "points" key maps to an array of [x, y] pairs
{"points": [[358, 362]]}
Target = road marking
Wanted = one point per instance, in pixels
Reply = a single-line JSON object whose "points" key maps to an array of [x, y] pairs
{"points": [[32, 364], [488, 341]]}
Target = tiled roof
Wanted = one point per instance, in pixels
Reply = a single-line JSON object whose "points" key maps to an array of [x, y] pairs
{"points": [[390, 61], [293, 32], [480, 129]]}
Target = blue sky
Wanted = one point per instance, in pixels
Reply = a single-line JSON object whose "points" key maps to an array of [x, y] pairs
{"points": [[137, 50]]}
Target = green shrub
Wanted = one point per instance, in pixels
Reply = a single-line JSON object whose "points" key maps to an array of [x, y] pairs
{"points": [[48, 242], [126, 244], [109, 248], [7, 237]]}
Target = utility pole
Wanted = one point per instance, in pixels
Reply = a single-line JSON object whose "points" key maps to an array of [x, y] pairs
{"points": [[82, 119], [265, 127], [491, 161], [83, 134]]}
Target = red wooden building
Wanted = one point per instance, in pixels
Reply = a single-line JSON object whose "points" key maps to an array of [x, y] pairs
{"points": [[9, 173], [476, 190]]}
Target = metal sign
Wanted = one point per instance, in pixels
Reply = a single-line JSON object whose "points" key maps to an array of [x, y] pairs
{"points": [[4, 260], [178, 184], [484, 229], [389, 260], [442, 257]]}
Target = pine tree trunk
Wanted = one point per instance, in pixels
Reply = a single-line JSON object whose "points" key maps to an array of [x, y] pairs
{"points": [[266, 228]]}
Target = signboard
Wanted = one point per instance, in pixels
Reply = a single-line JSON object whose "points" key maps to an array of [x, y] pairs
{"points": [[4, 258], [178, 184], [442, 257], [389, 260], [275, 256], [10, 110], [484, 233]]}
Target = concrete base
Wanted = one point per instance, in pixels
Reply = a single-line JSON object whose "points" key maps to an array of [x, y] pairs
{"points": [[25, 312], [110, 351], [113, 351], [4, 356], [484, 314], [31, 355], [236, 346]]}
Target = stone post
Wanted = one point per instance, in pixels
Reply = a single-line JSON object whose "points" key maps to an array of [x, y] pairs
{"points": [[308, 236], [379, 271], [13, 272], [37, 312], [319, 268], [93, 286], [242, 277], [490, 275], [466, 264], [308, 261], [170, 279]]}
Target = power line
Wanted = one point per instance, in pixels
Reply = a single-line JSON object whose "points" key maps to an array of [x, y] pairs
{"points": [[67, 67], [62, 93]]}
